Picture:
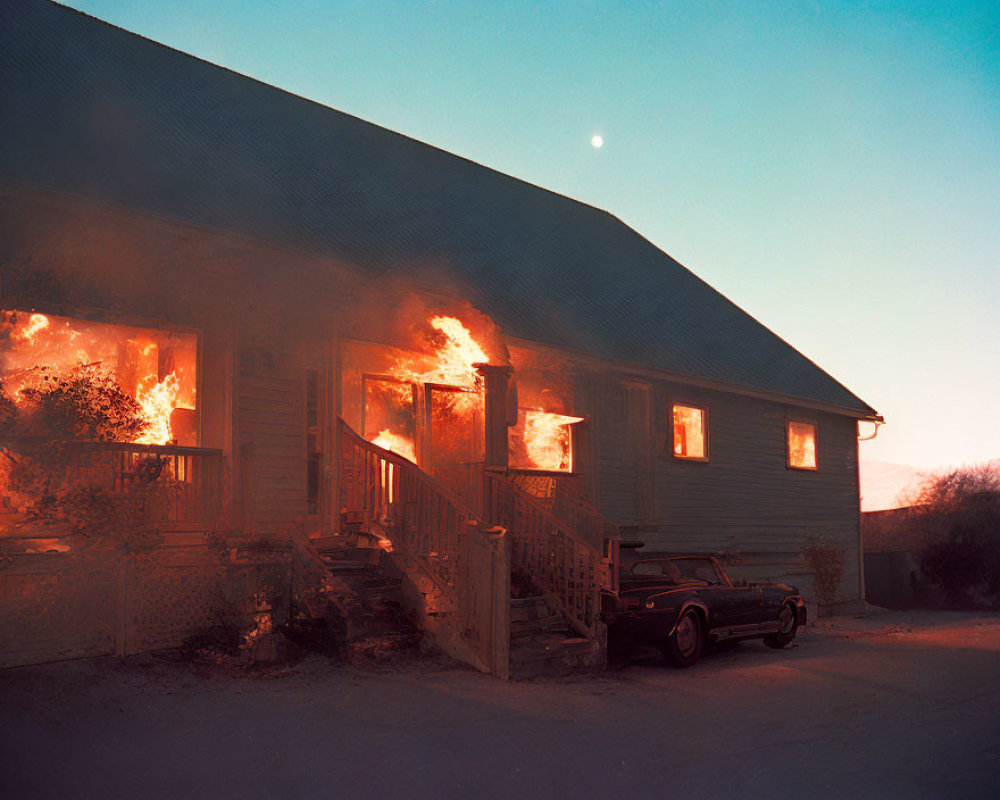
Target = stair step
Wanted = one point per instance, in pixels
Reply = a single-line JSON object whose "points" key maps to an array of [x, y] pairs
{"points": [[343, 565], [533, 608], [553, 654], [523, 628]]}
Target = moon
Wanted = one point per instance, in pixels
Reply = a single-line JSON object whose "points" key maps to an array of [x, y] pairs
{"points": [[597, 141]]}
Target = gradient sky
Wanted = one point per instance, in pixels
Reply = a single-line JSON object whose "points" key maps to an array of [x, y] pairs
{"points": [[831, 167]]}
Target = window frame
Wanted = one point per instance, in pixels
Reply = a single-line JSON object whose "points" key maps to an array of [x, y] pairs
{"points": [[703, 459], [812, 423]]}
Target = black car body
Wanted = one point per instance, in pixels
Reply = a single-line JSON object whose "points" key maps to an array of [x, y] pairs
{"points": [[681, 603]]}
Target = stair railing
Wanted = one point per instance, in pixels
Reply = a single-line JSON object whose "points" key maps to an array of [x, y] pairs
{"points": [[562, 495], [466, 563], [551, 553]]}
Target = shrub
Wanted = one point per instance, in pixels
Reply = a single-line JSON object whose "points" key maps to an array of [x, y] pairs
{"points": [[41, 435], [962, 510], [826, 559]]}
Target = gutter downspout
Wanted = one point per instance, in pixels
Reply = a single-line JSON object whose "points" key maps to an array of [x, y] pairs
{"points": [[861, 536]]}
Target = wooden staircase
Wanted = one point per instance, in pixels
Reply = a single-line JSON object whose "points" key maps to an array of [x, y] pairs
{"points": [[356, 603], [454, 565]]}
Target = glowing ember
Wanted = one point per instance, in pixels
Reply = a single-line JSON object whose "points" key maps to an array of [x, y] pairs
{"points": [[547, 440], [395, 443], [36, 323]]}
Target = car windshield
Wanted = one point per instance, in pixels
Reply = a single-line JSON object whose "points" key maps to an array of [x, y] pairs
{"points": [[677, 570]]}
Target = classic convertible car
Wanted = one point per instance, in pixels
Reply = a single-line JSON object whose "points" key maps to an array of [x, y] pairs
{"points": [[683, 603]]}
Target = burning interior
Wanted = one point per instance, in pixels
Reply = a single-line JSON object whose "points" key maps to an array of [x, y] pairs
{"points": [[73, 380], [425, 402], [158, 369]]}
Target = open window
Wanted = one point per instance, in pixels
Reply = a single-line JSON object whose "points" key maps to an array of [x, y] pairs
{"points": [[542, 440], [689, 428], [389, 415], [801, 444], [101, 422]]}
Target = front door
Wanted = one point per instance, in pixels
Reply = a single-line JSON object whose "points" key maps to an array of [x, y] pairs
{"points": [[455, 439]]}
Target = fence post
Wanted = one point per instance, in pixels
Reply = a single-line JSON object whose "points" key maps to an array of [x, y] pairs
{"points": [[501, 605]]}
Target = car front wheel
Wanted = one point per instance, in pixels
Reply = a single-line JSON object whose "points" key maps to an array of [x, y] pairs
{"points": [[684, 645], [788, 625]]}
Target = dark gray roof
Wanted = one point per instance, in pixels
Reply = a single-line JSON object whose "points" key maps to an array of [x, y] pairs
{"points": [[93, 110]]}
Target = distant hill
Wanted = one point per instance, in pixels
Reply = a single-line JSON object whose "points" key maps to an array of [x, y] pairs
{"points": [[885, 485]]}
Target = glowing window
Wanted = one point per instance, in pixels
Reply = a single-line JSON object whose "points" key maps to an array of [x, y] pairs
{"points": [[801, 445], [156, 368], [542, 440], [689, 430]]}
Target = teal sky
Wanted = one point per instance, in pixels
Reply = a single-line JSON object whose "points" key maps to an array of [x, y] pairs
{"points": [[832, 167]]}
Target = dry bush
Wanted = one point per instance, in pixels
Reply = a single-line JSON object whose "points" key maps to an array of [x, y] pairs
{"points": [[87, 404], [825, 558], [42, 435], [961, 509]]}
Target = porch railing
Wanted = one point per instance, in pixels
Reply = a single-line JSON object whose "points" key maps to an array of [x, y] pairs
{"points": [[551, 553], [191, 477], [465, 568]]}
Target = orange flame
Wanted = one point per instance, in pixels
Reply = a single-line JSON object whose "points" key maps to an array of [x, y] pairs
{"points": [[395, 443], [158, 402], [547, 440], [36, 323], [132, 356], [455, 351], [456, 355]]}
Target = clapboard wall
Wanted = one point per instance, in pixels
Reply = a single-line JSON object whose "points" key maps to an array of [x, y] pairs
{"points": [[744, 502], [264, 316]]}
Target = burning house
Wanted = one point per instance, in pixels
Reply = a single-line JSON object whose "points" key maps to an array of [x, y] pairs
{"points": [[252, 318]]}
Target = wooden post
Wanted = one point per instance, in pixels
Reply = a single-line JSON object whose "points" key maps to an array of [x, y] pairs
{"points": [[501, 604], [497, 380], [497, 419]]}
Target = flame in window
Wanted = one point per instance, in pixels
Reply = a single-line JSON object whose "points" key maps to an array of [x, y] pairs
{"points": [[689, 432], [395, 443], [157, 369], [546, 438], [802, 445], [454, 351]]}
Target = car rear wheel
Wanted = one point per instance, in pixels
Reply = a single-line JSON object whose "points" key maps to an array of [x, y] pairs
{"points": [[788, 625], [684, 645]]}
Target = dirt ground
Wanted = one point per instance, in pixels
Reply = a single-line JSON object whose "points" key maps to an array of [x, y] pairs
{"points": [[894, 705]]}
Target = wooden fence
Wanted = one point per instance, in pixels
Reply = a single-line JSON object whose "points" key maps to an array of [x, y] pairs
{"points": [[97, 602], [562, 495]]}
